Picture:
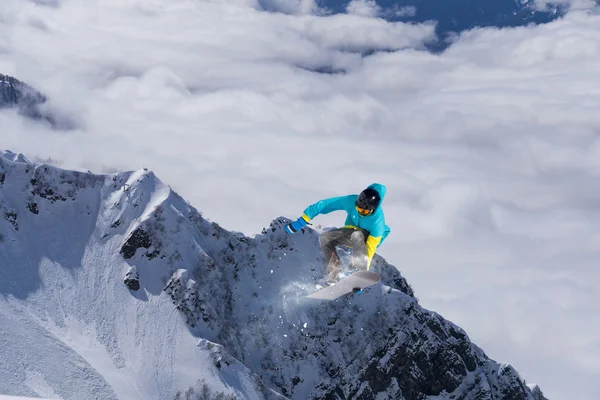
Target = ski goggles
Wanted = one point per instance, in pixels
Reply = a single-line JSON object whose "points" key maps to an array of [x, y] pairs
{"points": [[363, 211]]}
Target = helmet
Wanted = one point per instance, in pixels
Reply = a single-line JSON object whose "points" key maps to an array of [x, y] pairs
{"points": [[368, 199]]}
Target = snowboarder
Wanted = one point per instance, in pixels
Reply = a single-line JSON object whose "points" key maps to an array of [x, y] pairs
{"points": [[364, 229]]}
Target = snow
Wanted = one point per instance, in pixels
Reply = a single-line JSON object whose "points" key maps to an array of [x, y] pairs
{"points": [[15, 157], [71, 325], [214, 307], [21, 398]]}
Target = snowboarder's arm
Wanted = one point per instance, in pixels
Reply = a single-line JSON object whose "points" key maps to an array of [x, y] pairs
{"points": [[326, 206], [321, 207], [295, 226]]}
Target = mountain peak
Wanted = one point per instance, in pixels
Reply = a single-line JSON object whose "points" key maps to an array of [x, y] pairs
{"points": [[14, 93], [9, 155], [210, 311]]}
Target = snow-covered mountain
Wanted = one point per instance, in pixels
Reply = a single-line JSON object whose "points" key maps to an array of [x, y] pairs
{"points": [[113, 286], [14, 93]]}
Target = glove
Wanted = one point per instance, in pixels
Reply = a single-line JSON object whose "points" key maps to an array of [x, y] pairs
{"points": [[296, 225]]}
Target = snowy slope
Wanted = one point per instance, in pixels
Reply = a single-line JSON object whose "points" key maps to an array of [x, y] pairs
{"points": [[69, 328], [215, 309], [19, 398]]}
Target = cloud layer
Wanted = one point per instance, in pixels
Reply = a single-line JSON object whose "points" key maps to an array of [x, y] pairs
{"points": [[490, 150]]}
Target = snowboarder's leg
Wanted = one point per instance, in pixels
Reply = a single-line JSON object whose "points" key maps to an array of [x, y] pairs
{"points": [[359, 249], [329, 240]]}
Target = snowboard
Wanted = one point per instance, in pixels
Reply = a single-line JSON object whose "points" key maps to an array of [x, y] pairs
{"points": [[354, 283]]}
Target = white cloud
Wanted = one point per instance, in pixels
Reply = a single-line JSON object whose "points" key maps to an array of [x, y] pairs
{"points": [[363, 8], [296, 7], [406, 11], [572, 5], [490, 150], [355, 33], [370, 9]]}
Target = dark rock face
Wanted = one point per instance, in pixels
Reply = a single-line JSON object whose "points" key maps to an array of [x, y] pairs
{"points": [[138, 239], [188, 300], [33, 207], [132, 284], [14, 93], [44, 190], [11, 216], [143, 237], [132, 279]]}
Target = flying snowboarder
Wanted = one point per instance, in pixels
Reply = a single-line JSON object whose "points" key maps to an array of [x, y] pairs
{"points": [[364, 229]]}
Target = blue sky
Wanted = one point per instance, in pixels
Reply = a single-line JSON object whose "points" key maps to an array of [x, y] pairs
{"points": [[451, 16]]}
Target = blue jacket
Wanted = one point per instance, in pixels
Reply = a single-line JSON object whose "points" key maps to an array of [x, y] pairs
{"points": [[374, 223]]}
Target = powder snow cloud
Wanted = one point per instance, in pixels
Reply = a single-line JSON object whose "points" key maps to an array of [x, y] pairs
{"points": [[490, 150]]}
